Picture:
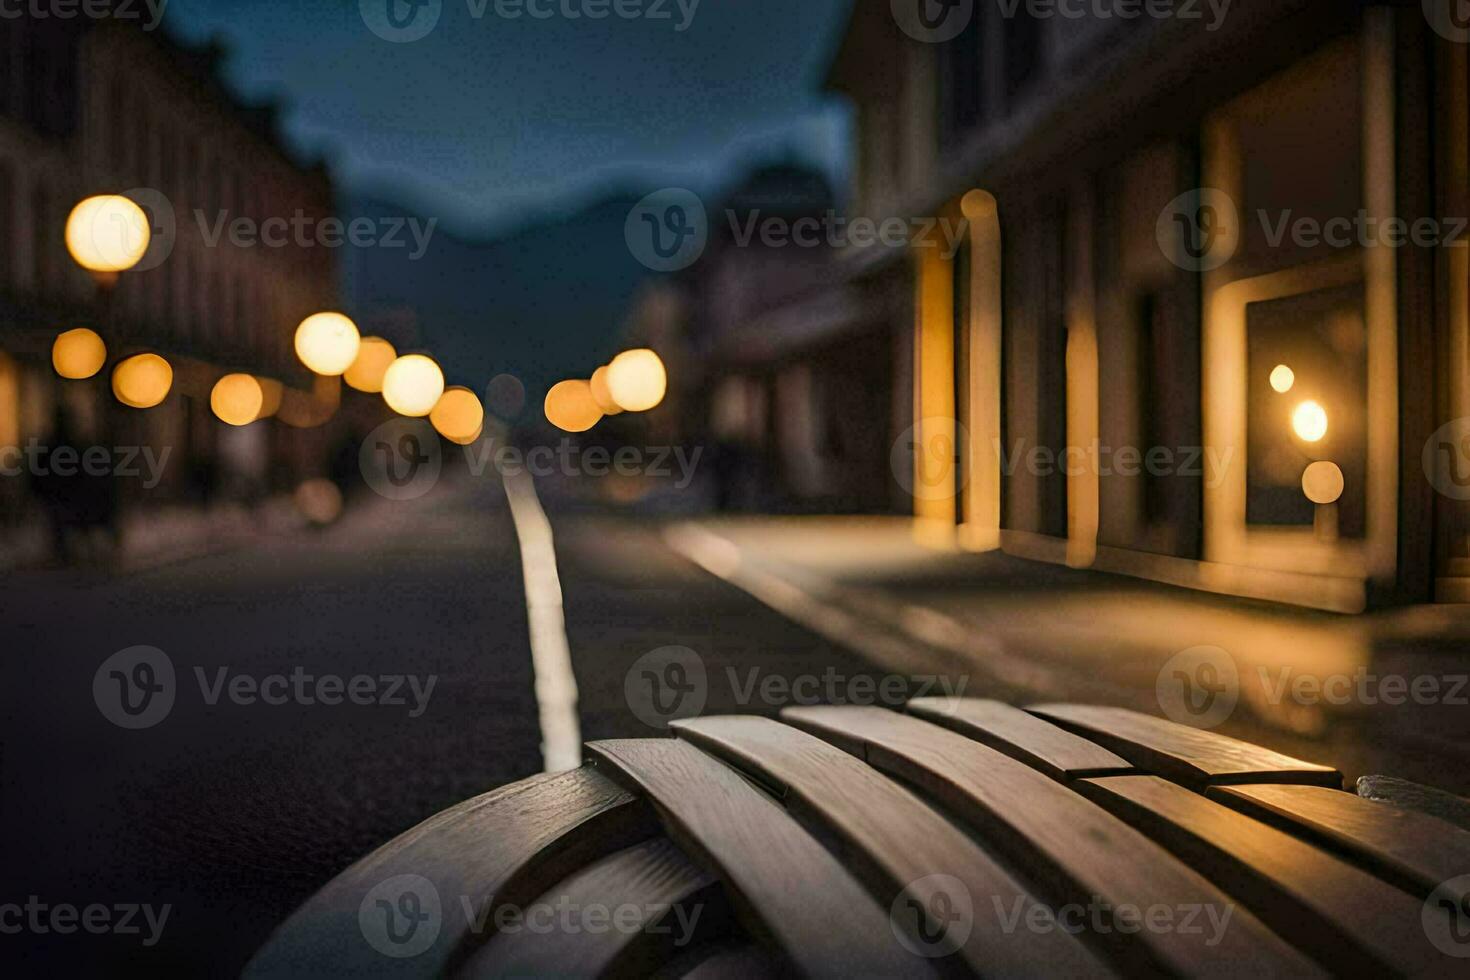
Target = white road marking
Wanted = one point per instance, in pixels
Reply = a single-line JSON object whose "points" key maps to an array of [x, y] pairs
{"points": [[551, 655]]}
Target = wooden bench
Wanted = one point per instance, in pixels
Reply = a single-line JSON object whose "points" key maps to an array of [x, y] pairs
{"points": [[958, 838]]}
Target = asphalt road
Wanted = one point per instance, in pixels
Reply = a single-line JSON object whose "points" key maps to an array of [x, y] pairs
{"points": [[231, 810]]}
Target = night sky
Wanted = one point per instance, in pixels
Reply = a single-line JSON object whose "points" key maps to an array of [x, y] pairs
{"points": [[490, 123]]}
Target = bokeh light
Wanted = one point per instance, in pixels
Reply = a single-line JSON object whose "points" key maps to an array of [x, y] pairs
{"points": [[1323, 483], [459, 416], [237, 399], [1310, 421], [78, 354], [571, 407], [327, 343], [319, 501], [637, 380], [142, 381], [413, 385], [602, 393], [1283, 378], [108, 233], [374, 356]]}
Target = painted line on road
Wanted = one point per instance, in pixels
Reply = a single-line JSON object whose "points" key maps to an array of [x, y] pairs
{"points": [[551, 653]]}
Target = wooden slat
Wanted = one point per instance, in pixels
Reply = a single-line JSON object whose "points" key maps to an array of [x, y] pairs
{"points": [[1188, 755], [733, 960], [899, 842], [1343, 916], [508, 845], [1078, 850], [1020, 735], [794, 893], [624, 916], [1412, 796], [1416, 851]]}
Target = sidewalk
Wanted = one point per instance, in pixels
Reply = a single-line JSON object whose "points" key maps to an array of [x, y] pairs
{"points": [[1027, 632]]}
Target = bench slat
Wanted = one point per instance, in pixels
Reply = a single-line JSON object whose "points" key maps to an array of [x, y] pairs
{"points": [[1412, 796], [507, 845], [1080, 851], [1339, 913], [770, 864], [1416, 851], [1040, 744], [676, 905], [899, 841], [1189, 755]]}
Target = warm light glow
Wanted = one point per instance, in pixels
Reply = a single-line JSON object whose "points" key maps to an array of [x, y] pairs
{"points": [[142, 381], [459, 416], [637, 380], [1283, 378], [237, 399], [571, 407], [602, 393], [413, 385], [976, 203], [1323, 483], [373, 359], [1310, 421], [107, 233], [78, 354], [327, 343], [319, 501]]}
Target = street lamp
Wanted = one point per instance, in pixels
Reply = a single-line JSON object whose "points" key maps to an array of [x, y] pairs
{"points": [[1323, 483], [413, 385], [107, 234], [374, 358], [237, 399], [327, 343], [458, 416], [142, 381], [78, 354], [571, 407], [1310, 421], [637, 380]]}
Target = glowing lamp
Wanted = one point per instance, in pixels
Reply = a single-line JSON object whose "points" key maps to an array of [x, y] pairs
{"points": [[459, 416], [637, 380], [571, 407], [1309, 421], [374, 356], [327, 343], [1323, 483], [1283, 378], [107, 233], [78, 354], [237, 399], [413, 385], [602, 393], [142, 381]]}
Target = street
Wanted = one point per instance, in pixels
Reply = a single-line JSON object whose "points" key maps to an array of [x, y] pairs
{"points": [[232, 810]]}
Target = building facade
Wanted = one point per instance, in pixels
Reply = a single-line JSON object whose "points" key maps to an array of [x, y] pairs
{"points": [[92, 107], [1209, 325]]}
